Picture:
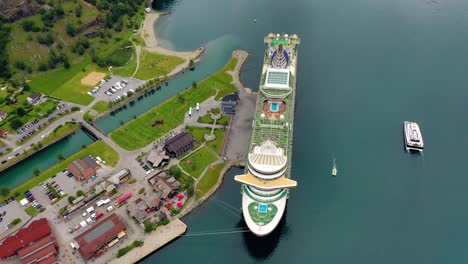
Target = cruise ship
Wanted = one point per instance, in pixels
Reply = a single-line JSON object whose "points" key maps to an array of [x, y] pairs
{"points": [[267, 178], [413, 137]]}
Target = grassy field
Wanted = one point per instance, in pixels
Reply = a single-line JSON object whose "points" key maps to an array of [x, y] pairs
{"points": [[197, 162], [66, 83], [199, 132], [101, 106], [206, 119], [98, 148], [128, 69], [31, 211], [155, 65], [209, 180], [139, 133]]}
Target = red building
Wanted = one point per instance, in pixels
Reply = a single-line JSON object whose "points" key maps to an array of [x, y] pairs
{"points": [[33, 244], [96, 239], [83, 168]]}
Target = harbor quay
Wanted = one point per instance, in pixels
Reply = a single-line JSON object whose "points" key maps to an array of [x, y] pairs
{"points": [[153, 242]]}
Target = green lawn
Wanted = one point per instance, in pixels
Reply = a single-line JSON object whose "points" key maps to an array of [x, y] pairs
{"points": [[128, 69], [197, 162], [206, 119], [31, 211], [209, 180], [139, 133], [66, 83], [98, 148], [199, 132], [101, 106], [155, 65], [44, 109]]}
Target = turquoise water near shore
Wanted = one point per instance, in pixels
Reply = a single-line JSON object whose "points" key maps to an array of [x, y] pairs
{"points": [[44, 159], [364, 67]]}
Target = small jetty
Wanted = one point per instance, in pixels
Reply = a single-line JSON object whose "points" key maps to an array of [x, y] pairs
{"points": [[153, 241]]}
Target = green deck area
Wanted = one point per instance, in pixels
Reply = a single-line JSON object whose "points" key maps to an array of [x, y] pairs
{"points": [[260, 217], [139, 132]]}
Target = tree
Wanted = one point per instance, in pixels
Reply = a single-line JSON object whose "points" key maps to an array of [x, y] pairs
{"points": [[60, 157], [36, 171], [15, 123], [79, 193], [27, 25], [191, 63], [71, 199], [20, 111], [78, 10], [4, 191], [71, 31], [175, 171], [194, 84]]}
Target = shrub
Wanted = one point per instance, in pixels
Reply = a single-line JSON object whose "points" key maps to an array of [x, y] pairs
{"points": [[79, 193], [16, 221], [27, 25], [142, 190], [71, 199], [132, 181]]}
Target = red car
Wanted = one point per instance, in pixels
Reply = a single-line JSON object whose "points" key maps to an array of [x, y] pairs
{"points": [[99, 215]]}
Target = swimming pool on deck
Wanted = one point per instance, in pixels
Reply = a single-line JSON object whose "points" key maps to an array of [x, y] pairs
{"points": [[274, 107], [262, 208]]}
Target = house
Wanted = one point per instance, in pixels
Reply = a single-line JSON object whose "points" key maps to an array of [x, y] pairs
{"points": [[179, 144], [3, 115], [229, 102], [163, 184], [35, 98], [83, 168], [157, 156], [3, 132], [120, 177], [139, 210]]}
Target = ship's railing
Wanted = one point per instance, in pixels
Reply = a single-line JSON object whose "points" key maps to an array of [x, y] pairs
{"points": [[272, 93]]}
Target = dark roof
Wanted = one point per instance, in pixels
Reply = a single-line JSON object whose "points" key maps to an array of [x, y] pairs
{"points": [[36, 230], [35, 96], [231, 97], [179, 141], [99, 235]]}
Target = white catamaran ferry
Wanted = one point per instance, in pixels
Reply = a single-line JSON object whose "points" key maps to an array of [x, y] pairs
{"points": [[413, 137], [267, 179]]}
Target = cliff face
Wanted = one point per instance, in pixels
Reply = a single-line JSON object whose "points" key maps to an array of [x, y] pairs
{"points": [[16, 9]]}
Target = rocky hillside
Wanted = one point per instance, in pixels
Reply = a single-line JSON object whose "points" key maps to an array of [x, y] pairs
{"points": [[16, 9]]}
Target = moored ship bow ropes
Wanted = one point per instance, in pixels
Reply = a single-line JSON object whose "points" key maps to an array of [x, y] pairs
{"points": [[267, 179]]}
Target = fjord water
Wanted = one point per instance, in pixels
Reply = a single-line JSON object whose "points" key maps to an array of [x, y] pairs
{"points": [[364, 67]]}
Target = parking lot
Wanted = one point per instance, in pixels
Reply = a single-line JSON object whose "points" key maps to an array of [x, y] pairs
{"points": [[9, 212], [116, 88]]}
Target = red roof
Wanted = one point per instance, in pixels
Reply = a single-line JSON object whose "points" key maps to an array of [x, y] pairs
{"points": [[3, 132], [99, 235], [50, 260], [36, 230], [45, 241], [40, 255]]}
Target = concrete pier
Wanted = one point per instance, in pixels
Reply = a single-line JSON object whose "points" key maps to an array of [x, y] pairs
{"points": [[153, 241]]}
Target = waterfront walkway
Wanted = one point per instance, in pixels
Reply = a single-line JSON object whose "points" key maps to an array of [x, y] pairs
{"points": [[153, 241]]}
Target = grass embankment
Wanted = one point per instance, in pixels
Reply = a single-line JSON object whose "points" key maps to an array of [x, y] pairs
{"points": [[31, 211], [101, 106], [197, 162], [98, 148], [154, 64], [129, 67], [139, 133], [125, 250], [58, 133], [199, 132], [66, 83], [209, 180]]}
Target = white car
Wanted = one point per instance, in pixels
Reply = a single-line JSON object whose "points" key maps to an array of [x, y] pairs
{"points": [[113, 90]]}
